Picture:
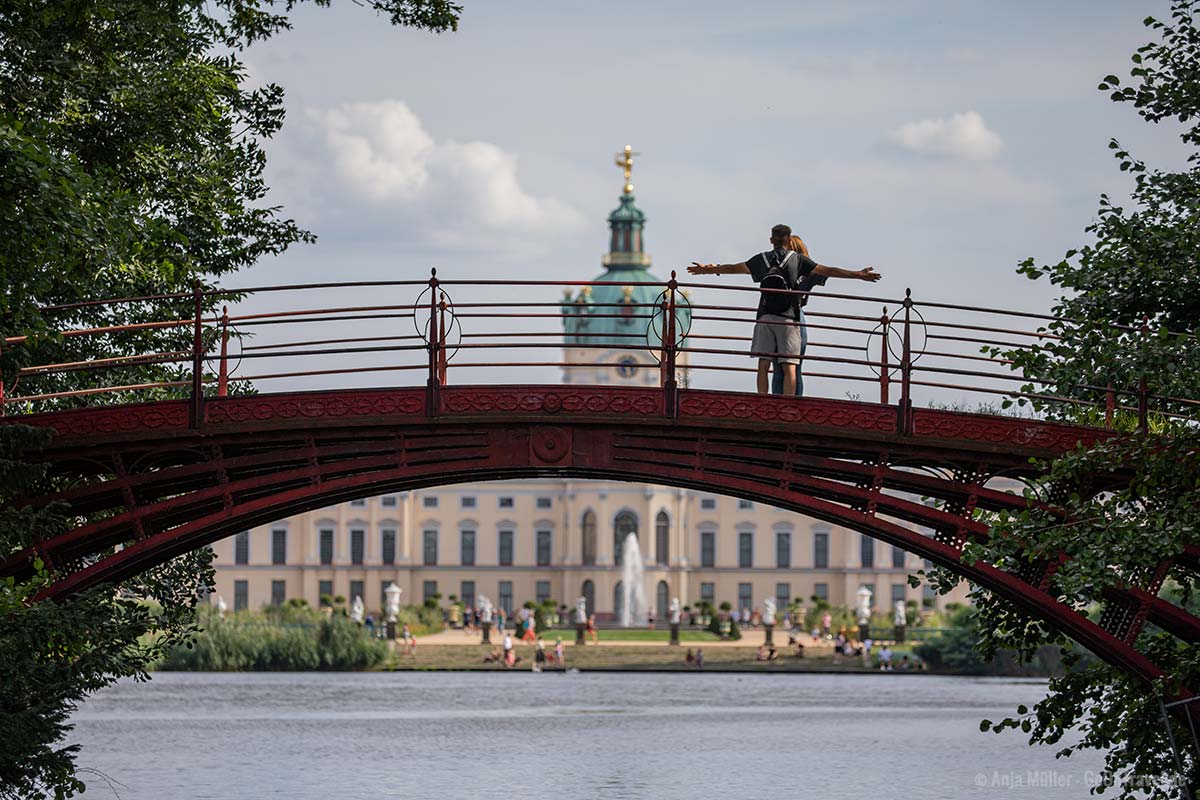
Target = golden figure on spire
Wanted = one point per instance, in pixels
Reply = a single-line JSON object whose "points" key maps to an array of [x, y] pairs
{"points": [[625, 162]]}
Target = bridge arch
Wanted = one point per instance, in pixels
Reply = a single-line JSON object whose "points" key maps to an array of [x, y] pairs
{"points": [[167, 488]]}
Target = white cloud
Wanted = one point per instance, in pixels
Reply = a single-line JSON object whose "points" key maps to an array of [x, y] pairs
{"points": [[963, 136], [384, 156]]}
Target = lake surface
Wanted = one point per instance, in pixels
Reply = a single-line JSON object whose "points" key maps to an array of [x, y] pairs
{"points": [[588, 735]]}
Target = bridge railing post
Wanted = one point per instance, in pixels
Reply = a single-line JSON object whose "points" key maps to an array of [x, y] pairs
{"points": [[670, 386], [442, 340], [223, 368], [904, 411], [196, 402], [433, 383], [884, 379]]}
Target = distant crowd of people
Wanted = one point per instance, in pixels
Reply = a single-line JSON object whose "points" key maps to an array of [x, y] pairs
{"points": [[543, 657]]}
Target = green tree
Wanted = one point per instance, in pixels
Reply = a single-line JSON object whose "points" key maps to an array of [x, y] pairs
{"points": [[131, 165], [1130, 311]]}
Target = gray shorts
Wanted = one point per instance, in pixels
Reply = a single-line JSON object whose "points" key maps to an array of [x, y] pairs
{"points": [[776, 334]]}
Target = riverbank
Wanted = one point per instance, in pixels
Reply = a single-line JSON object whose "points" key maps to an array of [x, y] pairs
{"points": [[623, 657]]}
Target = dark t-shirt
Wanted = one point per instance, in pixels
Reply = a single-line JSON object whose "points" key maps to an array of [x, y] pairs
{"points": [[799, 267]]}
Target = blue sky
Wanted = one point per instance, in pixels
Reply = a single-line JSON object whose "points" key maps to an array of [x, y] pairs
{"points": [[941, 142]]}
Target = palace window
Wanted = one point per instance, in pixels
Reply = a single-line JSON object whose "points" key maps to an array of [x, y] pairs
{"points": [[708, 548], [783, 550], [867, 551], [429, 548], [241, 548], [745, 550], [387, 545], [821, 550], [326, 545], [279, 546], [588, 529], [506, 548], [662, 538], [467, 548], [745, 596]]}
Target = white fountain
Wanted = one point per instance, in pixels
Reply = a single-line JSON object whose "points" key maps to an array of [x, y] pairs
{"points": [[633, 585]]}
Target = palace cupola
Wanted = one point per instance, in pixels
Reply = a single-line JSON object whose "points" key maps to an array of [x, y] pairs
{"points": [[611, 333]]}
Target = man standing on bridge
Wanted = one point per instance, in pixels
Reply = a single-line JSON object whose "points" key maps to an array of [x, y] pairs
{"points": [[778, 320]]}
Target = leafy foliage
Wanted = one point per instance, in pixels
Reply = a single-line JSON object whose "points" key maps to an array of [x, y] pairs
{"points": [[293, 638], [131, 165], [1130, 312], [52, 655]]}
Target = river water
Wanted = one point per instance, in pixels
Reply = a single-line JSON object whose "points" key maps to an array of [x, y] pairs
{"points": [[587, 735]]}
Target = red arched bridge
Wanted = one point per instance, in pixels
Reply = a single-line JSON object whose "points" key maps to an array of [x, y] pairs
{"points": [[149, 479]]}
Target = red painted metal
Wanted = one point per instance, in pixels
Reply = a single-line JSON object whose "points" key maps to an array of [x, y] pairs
{"points": [[158, 479], [223, 372], [280, 454]]}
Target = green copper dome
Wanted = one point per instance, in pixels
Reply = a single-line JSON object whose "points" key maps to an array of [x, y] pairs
{"points": [[617, 312]]}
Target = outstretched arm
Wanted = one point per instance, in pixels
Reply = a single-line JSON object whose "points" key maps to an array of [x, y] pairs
{"points": [[718, 269], [865, 274]]}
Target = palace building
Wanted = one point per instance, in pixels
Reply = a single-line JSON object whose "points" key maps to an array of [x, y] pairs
{"points": [[558, 539]]}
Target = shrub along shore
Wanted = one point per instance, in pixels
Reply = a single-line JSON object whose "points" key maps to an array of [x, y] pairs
{"points": [[295, 637]]}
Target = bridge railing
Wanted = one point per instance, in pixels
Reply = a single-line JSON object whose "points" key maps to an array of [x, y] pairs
{"points": [[431, 332]]}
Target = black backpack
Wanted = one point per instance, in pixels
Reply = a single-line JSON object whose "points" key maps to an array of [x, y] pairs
{"points": [[777, 277]]}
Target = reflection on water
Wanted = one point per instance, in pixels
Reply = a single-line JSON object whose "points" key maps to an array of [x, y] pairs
{"points": [[452, 735]]}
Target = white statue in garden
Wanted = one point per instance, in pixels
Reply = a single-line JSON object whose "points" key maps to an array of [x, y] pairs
{"points": [[581, 611], [485, 610], [221, 607], [900, 615], [768, 611], [358, 609], [864, 606], [674, 610]]}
